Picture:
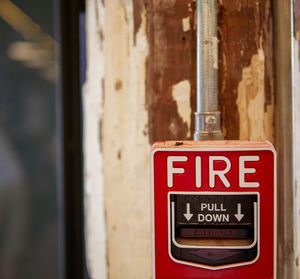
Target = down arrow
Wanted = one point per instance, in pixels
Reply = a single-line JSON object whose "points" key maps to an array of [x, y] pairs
{"points": [[188, 214], [239, 216]]}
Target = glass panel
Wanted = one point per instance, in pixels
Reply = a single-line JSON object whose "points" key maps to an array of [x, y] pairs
{"points": [[28, 203]]}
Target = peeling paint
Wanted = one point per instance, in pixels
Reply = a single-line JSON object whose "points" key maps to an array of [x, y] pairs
{"points": [[256, 119], [173, 129], [172, 59], [181, 93], [186, 24], [250, 100], [236, 50], [137, 11], [125, 141]]}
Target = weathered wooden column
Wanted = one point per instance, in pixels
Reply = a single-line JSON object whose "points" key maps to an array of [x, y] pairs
{"points": [[296, 91], [140, 89]]}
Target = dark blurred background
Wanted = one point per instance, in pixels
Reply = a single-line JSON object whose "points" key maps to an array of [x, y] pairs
{"points": [[28, 148]]}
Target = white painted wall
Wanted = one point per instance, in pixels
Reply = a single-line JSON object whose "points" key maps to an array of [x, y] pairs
{"points": [[117, 173], [126, 145], [93, 159]]}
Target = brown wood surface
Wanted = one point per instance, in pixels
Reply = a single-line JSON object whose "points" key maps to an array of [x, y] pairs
{"points": [[171, 59], [297, 130], [245, 27]]}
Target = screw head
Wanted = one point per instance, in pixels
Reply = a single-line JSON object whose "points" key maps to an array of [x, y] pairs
{"points": [[210, 120]]}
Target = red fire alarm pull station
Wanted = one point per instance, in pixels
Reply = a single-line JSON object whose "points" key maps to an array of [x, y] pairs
{"points": [[213, 201], [214, 209]]}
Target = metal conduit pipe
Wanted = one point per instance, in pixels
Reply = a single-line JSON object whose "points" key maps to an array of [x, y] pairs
{"points": [[207, 116]]}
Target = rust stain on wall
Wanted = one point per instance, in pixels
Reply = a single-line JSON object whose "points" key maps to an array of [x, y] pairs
{"points": [[244, 28], [172, 59]]}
